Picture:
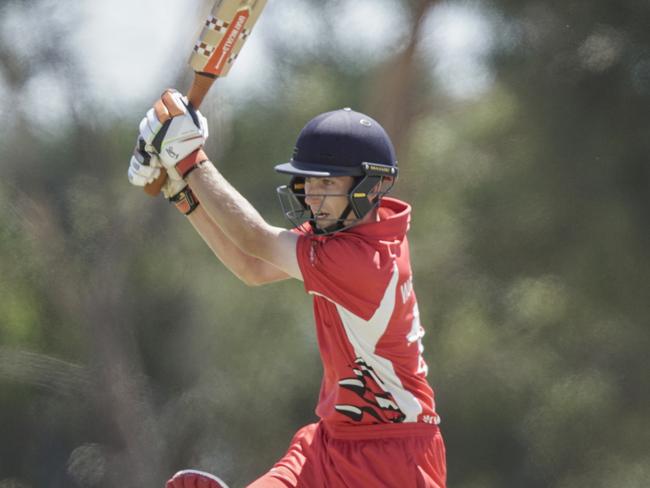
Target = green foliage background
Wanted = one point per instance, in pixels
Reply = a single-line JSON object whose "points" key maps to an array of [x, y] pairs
{"points": [[128, 352]]}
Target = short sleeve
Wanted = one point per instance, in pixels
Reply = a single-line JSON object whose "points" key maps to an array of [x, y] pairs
{"points": [[347, 271]]}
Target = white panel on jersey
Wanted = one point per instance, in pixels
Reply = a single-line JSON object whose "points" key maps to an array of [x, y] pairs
{"points": [[364, 336]]}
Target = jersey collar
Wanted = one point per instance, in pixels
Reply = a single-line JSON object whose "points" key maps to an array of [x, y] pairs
{"points": [[394, 218]]}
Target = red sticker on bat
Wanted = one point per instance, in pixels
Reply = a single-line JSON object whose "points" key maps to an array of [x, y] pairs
{"points": [[222, 53]]}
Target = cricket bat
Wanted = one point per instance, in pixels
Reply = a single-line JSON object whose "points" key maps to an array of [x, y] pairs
{"points": [[225, 31]]}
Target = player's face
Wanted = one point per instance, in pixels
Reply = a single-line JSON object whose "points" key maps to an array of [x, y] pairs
{"points": [[327, 198]]}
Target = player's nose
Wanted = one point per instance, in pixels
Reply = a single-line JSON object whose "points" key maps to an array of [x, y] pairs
{"points": [[312, 199]]}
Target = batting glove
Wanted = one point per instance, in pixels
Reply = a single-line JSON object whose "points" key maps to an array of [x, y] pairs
{"points": [[144, 167], [190, 478], [176, 132], [172, 187]]}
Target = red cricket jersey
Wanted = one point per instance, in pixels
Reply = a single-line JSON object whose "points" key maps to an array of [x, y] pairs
{"points": [[368, 326]]}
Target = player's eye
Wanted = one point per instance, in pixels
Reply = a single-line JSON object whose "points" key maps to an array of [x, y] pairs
{"points": [[318, 182]]}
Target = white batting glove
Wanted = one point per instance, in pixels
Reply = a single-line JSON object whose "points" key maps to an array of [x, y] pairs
{"points": [[144, 167], [177, 137], [172, 187]]}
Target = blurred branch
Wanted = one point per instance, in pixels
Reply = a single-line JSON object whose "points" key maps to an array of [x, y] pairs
{"points": [[97, 301], [15, 73], [124, 384], [395, 98], [43, 371]]}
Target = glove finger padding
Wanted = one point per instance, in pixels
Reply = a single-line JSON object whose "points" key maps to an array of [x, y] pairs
{"points": [[171, 104], [150, 126], [177, 137], [144, 167], [140, 175], [174, 103]]}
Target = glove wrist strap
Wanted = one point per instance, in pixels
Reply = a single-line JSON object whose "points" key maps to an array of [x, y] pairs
{"points": [[191, 162], [185, 201]]}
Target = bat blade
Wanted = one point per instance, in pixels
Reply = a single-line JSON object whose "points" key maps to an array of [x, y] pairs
{"points": [[226, 30]]}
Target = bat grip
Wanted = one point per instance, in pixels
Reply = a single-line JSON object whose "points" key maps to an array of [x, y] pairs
{"points": [[200, 87]]}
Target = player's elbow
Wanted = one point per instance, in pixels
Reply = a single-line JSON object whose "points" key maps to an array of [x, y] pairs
{"points": [[261, 273], [252, 281], [253, 274]]}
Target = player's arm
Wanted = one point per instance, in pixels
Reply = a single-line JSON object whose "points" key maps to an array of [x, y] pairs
{"points": [[175, 133], [242, 224], [144, 168], [249, 269]]}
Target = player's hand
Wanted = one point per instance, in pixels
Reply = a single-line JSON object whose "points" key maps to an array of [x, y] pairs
{"points": [[191, 478], [173, 130], [144, 167]]}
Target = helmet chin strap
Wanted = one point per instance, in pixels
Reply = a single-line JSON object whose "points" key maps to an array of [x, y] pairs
{"points": [[361, 183], [335, 227]]}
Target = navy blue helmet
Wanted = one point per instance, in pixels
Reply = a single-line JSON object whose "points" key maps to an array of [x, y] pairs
{"points": [[339, 143]]}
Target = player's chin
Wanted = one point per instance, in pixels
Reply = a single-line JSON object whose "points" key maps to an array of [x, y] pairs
{"points": [[324, 222]]}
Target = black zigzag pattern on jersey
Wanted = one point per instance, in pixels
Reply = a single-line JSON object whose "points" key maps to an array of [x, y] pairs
{"points": [[377, 402]]}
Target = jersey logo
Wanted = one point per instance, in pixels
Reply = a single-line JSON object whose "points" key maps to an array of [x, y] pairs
{"points": [[370, 397], [431, 419], [406, 289]]}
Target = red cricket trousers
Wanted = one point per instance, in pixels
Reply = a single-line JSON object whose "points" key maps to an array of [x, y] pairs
{"points": [[318, 457]]}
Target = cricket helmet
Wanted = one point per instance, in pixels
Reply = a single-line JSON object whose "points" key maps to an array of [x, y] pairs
{"points": [[339, 143]]}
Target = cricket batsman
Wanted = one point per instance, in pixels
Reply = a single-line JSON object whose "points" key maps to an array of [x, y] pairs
{"points": [[378, 425]]}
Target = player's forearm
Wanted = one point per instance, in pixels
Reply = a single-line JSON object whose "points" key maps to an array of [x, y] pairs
{"points": [[240, 264], [236, 217]]}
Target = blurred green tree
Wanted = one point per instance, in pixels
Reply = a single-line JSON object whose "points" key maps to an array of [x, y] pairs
{"points": [[120, 360]]}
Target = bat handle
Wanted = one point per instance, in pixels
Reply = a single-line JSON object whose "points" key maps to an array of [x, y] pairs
{"points": [[200, 86], [152, 189]]}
